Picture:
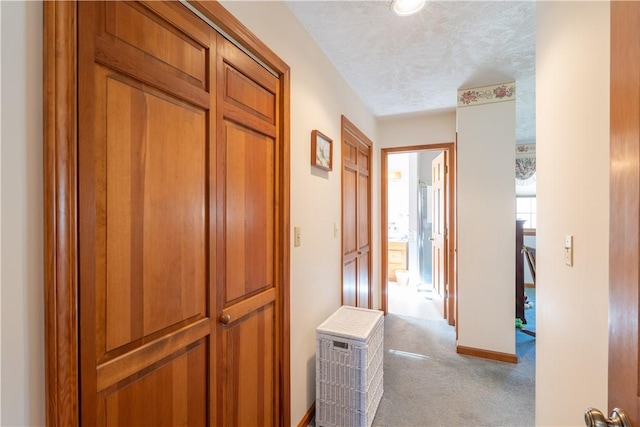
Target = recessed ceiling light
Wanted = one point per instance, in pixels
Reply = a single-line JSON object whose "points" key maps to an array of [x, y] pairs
{"points": [[407, 7]]}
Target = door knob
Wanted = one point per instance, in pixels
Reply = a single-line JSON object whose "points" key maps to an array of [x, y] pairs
{"points": [[595, 418], [225, 319], [432, 239]]}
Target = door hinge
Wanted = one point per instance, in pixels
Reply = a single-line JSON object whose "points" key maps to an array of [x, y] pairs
{"points": [[446, 293], [446, 168]]}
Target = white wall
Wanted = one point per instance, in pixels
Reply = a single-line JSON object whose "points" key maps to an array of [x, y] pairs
{"points": [[319, 95], [21, 262], [420, 129], [486, 226], [572, 84]]}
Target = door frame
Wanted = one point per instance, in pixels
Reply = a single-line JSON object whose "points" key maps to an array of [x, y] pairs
{"points": [[61, 206], [450, 149]]}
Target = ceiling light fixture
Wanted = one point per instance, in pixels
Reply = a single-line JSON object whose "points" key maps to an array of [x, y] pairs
{"points": [[407, 7]]}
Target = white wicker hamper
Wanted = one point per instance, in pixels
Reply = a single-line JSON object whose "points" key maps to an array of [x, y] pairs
{"points": [[349, 352]]}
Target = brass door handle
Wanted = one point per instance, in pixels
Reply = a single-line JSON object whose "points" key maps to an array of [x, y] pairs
{"points": [[595, 418], [225, 319]]}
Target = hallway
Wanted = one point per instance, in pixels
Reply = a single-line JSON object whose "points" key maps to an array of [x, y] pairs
{"points": [[428, 384]]}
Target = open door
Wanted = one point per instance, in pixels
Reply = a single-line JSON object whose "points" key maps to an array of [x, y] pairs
{"points": [[624, 222], [439, 251]]}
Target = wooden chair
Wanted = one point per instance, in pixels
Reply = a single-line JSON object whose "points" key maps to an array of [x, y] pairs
{"points": [[530, 256]]}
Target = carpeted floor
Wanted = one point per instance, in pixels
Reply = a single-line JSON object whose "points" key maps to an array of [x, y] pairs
{"points": [[411, 300], [427, 384]]}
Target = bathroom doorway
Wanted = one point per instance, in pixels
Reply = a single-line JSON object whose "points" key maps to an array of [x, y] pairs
{"points": [[417, 231]]}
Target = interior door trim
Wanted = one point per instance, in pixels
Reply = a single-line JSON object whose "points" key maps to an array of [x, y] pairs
{"points": [[60, 206], [450, 148]]}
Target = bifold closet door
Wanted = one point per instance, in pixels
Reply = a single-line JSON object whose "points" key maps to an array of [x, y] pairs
{"points": [[177, 222]]}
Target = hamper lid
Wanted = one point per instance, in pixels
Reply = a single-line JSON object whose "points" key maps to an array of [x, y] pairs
{"points": [[351, 322]]}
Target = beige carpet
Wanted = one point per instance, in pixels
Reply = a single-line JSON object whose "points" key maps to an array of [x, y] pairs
{"points": [[408, 301], [427, 384]]}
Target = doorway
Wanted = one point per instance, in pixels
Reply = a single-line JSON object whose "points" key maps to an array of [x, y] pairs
{"points": [[418, 231]]}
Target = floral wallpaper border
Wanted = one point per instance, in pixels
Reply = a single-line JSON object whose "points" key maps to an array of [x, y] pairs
{"points": [[487, 94], [526, 150]]}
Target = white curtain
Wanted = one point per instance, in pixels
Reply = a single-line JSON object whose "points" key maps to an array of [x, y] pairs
{"points": [[526, 169]]}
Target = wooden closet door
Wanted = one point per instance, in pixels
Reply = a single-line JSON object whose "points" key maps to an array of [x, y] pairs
{"points": [[144, 148], [247, 286], [356, 216], [167, 212]]}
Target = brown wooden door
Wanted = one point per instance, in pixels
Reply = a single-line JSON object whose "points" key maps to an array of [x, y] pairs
{"points": [[177, 222], [245, 240], [143, 184], [624, 246], [439, 232], [356, 216]]}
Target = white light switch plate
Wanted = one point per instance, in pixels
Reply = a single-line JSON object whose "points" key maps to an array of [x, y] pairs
{"points": [[296, 236], [568, 250]]}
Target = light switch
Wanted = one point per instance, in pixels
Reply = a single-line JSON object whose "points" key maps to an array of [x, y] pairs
{"points": [[568, 250], [296, 236]]}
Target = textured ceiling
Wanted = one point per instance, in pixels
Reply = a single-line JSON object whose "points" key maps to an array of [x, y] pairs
{"points": [[405, 65]]}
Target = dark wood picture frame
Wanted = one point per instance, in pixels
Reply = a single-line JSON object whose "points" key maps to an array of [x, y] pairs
{"points": [[321, 151]]}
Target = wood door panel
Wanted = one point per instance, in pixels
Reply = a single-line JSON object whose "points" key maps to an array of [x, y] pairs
{"points": [[174, 393], [239, 69], [142, 356], [363, 211], [138, 26], [363, 281], [349, 281], [249, 382], [129, 61], [363, 160], [250, 96], [155, 201], [349, 212], [350, 153], [624, 212], [247, 227], [143, 150], [249, 212]]}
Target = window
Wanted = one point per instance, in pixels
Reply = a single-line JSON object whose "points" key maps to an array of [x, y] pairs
{"points": [[526, 209]]}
